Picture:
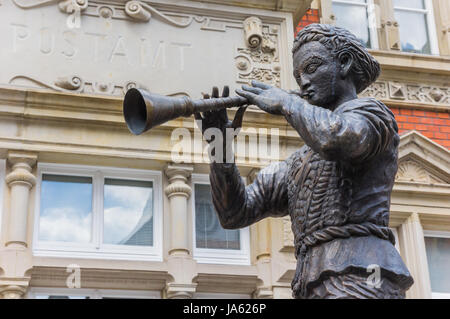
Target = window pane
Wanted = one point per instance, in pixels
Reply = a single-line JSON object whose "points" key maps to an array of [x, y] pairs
{"points": [[353, 18], [128, 212], [413, 31], [209, 232], [416, 4], [65, 209], [438, 255]]}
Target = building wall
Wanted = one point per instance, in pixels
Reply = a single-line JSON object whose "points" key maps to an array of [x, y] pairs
{"points": [[59, 109]]}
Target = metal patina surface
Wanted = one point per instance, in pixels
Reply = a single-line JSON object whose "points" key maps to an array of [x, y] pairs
{"points": [[337, 187]]}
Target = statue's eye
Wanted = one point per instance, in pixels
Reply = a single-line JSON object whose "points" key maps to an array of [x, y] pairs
{"points": [[311, 68]]}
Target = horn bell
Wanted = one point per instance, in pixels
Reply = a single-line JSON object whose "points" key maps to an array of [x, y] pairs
{"points": [[143, 110]]}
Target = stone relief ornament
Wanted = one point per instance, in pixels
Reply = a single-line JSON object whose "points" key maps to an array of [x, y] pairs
{"points": [[253, 32], [410, 171], [75, 84], [141, 11], [259, 60], [257, 65], [133, 10], [71, 7], [409, 92]]}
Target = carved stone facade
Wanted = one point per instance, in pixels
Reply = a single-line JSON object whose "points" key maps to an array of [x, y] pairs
{"points": [[409, 92], [61, 93]]}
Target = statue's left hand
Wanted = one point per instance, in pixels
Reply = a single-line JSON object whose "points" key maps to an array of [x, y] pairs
{"points": [[268, 98]]}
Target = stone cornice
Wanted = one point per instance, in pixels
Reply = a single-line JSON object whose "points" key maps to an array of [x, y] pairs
{"points": [[45, 276], [395, 60]]}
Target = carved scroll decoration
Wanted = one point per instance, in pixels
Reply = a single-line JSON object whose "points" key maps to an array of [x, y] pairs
{"points": [[75, 84], [143, 12], [26, 4]]}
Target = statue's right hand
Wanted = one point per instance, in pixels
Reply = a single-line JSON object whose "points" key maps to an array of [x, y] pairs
{"points": [[219, 119]]}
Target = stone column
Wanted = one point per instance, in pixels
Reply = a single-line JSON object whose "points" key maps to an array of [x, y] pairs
{"points": [[178, 193], [16, 260], [180, 263], [412, 246], [20, 180]]}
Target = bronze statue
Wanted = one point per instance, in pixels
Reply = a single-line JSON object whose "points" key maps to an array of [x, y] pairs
{"points": [[337, 187]]}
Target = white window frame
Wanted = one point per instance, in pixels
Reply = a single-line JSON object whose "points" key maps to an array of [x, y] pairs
{"points": [[431, 25], [34, 292], [218, 256], [95, 249], [438, 234], [371, 20], [2, 191]]}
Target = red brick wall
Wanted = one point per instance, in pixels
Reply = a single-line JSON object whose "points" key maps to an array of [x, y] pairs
{"points": [[432, 124], [311, 16]]}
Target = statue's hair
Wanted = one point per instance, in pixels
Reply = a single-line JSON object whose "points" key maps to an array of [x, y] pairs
{"points": [[365, 68]]}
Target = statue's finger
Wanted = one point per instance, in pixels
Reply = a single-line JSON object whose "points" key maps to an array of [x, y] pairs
{"points": [[215, 92], [260, 85], [249, 95], [255, 90], [238, 117], [226, 91]]}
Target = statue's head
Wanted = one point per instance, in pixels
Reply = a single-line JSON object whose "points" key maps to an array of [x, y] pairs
{"points": [[329, 62]]}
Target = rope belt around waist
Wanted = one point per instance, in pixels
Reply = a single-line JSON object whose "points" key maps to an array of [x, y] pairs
{"points": [[346, 231]]}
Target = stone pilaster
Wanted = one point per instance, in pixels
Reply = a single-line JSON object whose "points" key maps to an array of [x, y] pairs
{"points": [[326, 12], [388, 33], [16, 260], [180, 263], [442, 16], [20, 180], [412, 246]]}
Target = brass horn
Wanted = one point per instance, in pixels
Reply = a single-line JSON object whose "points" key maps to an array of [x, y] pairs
{"points": [[144, 110]]}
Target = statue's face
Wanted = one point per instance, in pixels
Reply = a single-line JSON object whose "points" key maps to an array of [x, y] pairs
{"points": [[316, 72]]}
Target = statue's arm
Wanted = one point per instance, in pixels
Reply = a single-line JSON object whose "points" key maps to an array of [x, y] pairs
{"points": [[355, 133], [238, 206]]}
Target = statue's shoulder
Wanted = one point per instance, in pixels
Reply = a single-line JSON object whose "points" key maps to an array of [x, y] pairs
{"points": [[364, 103], [370, 108]]}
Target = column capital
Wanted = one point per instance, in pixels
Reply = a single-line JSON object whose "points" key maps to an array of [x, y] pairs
{"points": [[180, 291], [181, 170], [178, 175], [13, 291], [19, 157], [22, 163]]}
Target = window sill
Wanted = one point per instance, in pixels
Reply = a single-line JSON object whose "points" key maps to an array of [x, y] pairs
{"points": [[412, 62], [110, 254], [218, 256]]}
